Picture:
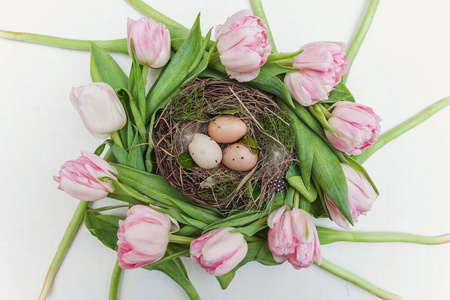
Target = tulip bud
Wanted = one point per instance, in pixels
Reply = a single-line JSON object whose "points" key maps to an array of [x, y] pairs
{"points": [[322, 65], [308, 87], [219, 251], [360, 197], [356, 126], [143, 236], [99, 108], [151, 42], [326, 57], [243, 45], [293, 237], [80, 178]]}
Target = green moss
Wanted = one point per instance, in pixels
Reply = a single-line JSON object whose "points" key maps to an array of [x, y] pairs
{"points": [[277, 126], [189, 106]]}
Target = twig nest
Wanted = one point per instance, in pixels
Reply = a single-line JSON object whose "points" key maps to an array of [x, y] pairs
{"points": [[234, 116]]}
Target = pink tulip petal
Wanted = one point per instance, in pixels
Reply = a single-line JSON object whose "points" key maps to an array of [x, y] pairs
{"points": [[243, 45]]}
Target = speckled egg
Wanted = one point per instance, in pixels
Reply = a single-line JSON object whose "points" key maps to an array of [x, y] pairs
{"points": [[239, 157], [205, 152], [227, 129]]}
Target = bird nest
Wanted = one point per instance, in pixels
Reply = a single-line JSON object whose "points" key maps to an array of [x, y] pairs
{"points": [[190, 112]]}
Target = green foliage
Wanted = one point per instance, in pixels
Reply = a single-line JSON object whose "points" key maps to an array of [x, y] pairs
{"points": [[356, 166], [340, 93], [155, 187], [295, 180], [105, 69], [185, 161], [174, 268], [317, 210], [250, 143], [252, 229], [303, 114], [202, 60], [305, 152], [277, 69], [103, 227], [258, 250], [100, 149], [177, 70], [273, 85], [135, 155], [239, 219], [326, 169], [136, 85]]}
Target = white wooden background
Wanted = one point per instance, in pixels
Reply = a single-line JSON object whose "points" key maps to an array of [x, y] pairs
{"points": [[402, 67]]}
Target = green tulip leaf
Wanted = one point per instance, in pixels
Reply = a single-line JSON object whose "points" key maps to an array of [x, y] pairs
{"points": [[340, 93], [303, 114], [326, 169], [277, 69], [328, 172], [103, 227], [174, 268], [176, 71], [271, 84], [356, 166], [136, 86], [105, 69]]}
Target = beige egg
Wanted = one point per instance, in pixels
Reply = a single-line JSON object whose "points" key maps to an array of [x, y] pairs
{"points": [[239, 157], [226, 129], [205, 152]]}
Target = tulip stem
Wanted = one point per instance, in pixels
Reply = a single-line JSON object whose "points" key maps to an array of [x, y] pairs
{"points": [[115, 281], [275, 57], [115, 136], [402, 128], [285, 62], [214, 56], [328, 236], [180, 239], [325, 111], [356, 280], [63, 247], [145, 73], [153, 13], [119, 45], [361, 34], [296, 203], [258, 10], [317, 112]]}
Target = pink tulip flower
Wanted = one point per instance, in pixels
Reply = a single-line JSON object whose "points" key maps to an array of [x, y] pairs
{"points": [[293, 237], [326, 57], [80, 178], [151, 42], [219, 251], [357, 127], [243, 45], [143, 236], [360, 197], [321, 64], [100, 110], [308, 87]]}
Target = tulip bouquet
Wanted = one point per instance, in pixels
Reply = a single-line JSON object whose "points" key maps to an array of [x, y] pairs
{"points": [[332, 136]]}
